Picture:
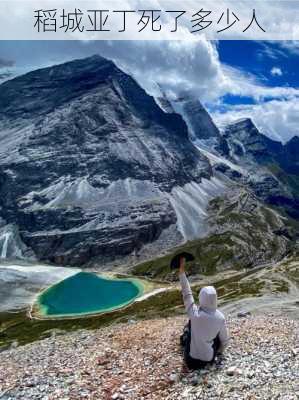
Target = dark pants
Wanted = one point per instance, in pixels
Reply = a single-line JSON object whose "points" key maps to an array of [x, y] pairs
{"points": [[191, 362]]}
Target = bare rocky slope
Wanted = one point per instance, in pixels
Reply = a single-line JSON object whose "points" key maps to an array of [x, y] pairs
{"points": [[94, 171], [143, 360], [88, 160], [277, 179], [243, 233]]}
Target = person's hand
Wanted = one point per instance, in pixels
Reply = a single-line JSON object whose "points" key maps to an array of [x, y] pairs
{"points": [[182, 265]]}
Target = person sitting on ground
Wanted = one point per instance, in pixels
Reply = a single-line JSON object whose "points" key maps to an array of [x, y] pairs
{"points": [[206, 334]]}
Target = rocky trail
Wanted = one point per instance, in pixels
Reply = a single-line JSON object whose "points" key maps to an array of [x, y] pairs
{"points": [[142, 360]]}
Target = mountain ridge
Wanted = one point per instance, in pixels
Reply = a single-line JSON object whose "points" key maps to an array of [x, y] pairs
{"points": [[93, 169], [112, 142]]}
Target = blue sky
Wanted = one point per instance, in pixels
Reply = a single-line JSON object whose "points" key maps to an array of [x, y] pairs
{"points": [[272, 64], [232, 78]]}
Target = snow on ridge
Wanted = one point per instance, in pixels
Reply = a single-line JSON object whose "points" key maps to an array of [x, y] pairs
{"points": [[10, 139], [4, 238], [10, 243], [80, 193], [217, 159], [49, 271], [239, 143], [207, 144], [190, 204], [20, 283]]}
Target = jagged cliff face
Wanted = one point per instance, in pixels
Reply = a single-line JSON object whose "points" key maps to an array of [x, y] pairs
{"points": [[90, 111], [290, 159], [93, 170], [244, 154], [202, 130], [89, 162], [272, 167], [11, 244], [245, 140]]}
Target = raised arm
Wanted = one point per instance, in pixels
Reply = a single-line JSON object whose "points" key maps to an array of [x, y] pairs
{"points": [[188, 299]]}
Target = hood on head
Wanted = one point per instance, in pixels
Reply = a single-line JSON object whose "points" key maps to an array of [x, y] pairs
{"points": [[208, 298]]}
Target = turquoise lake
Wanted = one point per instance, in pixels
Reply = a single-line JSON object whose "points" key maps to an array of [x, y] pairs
{"points": [[87, 293]]}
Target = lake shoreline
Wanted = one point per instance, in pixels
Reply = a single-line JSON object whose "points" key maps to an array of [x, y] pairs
{"points": [[39, 310], [270, 289], [147, 289]]}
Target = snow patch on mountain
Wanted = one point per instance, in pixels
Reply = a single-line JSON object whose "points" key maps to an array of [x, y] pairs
{"points": [[190, 204], [238, 142], [19, 283], [5, 239], [11, 138], [80, 193], [218, 159], [11, 245]]}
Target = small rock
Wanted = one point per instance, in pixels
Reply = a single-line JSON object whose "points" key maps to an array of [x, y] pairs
{"points": [[231, 371], [295, 352], [102, 361], [243, 314], [123, 388], [250, 374], [173, 377], [115, 396]]}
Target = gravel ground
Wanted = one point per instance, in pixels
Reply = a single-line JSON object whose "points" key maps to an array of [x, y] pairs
{"points": [[142, 360]]}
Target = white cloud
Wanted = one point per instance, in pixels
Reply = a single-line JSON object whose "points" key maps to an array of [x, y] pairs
{"points": [[176, 65], [241, 83], [195, 67], [276, 71], [188, 66], [289, 46], [278, 119]]}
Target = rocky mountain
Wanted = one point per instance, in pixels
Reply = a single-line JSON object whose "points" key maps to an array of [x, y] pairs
{"points": [[11, 244], [290, 155], [273, 168], [243, 233], [94, 170], [90, 165], [243, 153], [202, 129], [245, 140]]}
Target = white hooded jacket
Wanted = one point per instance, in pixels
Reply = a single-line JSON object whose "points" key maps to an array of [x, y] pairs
{"points": [[206, 321]]}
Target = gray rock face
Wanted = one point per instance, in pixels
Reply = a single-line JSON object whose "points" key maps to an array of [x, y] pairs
{"points": [[92, 169], [87, 160], [202, 128], [272, 167], [245, 140], [200, 122], [11, 244], [255, 233]]}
